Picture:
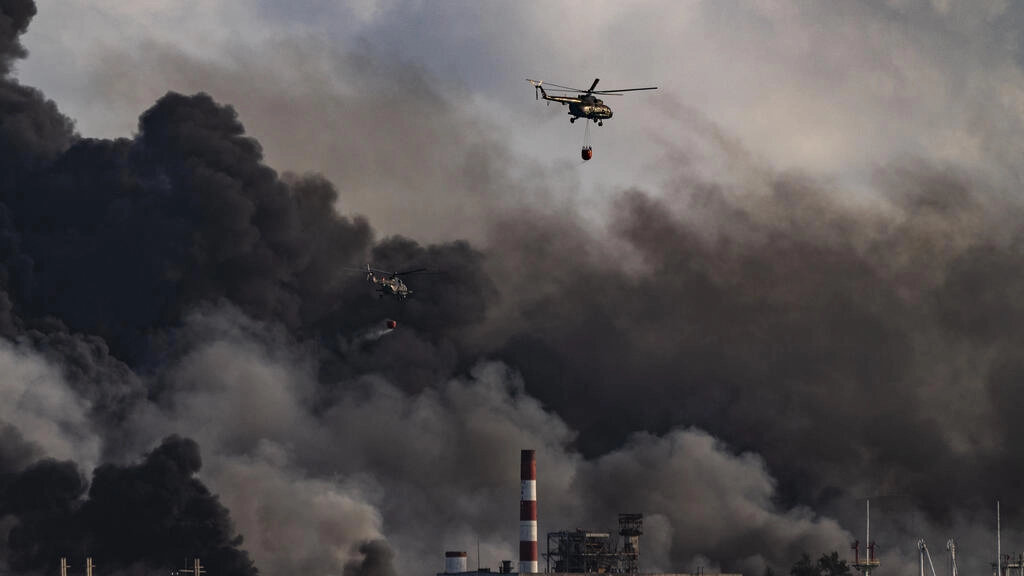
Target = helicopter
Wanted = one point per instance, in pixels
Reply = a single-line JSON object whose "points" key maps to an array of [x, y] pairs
{"points": [[585, 104], [389, 283]]}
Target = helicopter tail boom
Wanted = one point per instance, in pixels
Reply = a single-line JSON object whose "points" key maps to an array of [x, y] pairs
{"points": [[538, 85]]}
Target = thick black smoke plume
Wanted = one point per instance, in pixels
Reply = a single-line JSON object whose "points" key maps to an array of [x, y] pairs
{"points": [[136, 519], [45, 499], [14, 18], [105, 245]]}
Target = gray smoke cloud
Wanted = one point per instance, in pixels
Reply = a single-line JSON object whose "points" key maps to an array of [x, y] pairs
{"points": [[430, 470]]}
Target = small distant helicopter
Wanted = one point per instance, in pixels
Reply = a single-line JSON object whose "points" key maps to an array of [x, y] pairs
{"points": [[389, 283], [584, 104]]}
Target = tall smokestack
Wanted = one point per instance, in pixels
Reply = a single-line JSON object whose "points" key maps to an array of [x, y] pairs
{"points": [[528, 513]]}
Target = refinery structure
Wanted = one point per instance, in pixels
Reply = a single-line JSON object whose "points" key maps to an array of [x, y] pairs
{"points": [[567, 551], [582, 551], [574, 552]]}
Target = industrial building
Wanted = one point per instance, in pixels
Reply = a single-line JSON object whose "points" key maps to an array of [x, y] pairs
{"points": [[583, 551], [567, 551]]}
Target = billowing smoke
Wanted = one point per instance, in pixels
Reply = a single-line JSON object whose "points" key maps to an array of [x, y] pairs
{"points": [[742, 355], [868, 341], [137, 518]]}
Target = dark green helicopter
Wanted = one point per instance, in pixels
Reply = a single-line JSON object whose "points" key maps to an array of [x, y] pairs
{"points": [[585, 104]]}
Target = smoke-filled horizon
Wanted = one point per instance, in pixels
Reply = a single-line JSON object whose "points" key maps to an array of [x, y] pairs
{"points": [[741, 353]]}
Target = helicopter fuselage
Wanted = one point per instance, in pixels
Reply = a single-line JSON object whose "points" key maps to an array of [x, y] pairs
{"points": [[585, 104], [590, 108], [389, 285]]}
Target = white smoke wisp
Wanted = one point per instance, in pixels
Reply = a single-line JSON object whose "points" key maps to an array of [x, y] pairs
{"points": [[293, 524], [372, 334], [37, 401]]}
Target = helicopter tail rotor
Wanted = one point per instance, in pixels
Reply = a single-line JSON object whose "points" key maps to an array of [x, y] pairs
{"points": [[537, 89]]}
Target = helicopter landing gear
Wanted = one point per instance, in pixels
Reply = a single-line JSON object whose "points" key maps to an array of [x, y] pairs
{"points": [[600, 123], [572, 120]]}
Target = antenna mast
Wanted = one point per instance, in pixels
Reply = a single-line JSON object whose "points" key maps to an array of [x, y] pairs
{"points": [[923, 552], [951, 546], [196, 569], [869, 562]]}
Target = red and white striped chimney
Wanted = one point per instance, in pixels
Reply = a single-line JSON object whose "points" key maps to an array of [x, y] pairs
{"points": [[528, 513]]}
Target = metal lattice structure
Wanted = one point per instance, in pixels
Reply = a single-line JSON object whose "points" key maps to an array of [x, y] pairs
{"points": [[583, 551], [631, 527]]}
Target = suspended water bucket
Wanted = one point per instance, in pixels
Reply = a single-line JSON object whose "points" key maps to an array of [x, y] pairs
{"points": [[587, 153]]}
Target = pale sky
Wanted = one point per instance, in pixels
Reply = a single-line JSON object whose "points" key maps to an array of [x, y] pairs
{"points": [[834, 89]]}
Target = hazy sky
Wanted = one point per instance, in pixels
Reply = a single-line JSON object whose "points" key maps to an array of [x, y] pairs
{"points": [[833, 89]]}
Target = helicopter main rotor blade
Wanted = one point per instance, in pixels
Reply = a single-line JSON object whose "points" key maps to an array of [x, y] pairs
{"points": [[610, 92], [377, 270], [594, 85], [570, 88], [410, 271]]}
